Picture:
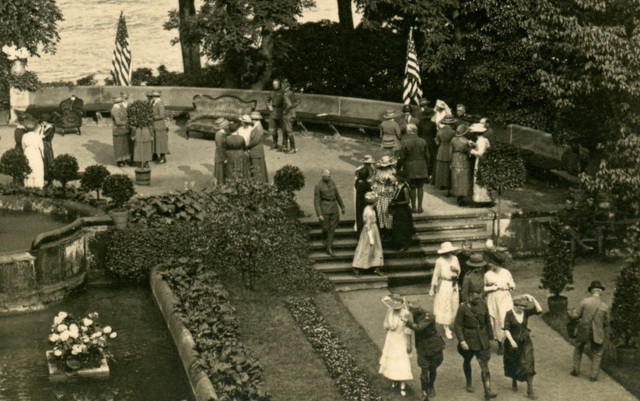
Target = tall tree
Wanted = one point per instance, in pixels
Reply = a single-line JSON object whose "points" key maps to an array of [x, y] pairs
{"points": [[32, 24], [345, 15], [180, 20]]}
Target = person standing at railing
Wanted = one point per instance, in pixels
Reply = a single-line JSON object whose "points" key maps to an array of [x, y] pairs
{"points": [[275, 105], [161, 139], [291, 102]]}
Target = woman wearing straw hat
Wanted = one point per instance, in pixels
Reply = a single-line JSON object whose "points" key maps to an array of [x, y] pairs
{"points": [[519, 361], [390, 133], [369, 251], [481, 196], [498, 284], [384, 185], [443, 164], [460, 171], [444, 287], [395, 363], [221, 126]]}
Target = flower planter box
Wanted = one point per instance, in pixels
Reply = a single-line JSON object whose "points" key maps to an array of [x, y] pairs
{"points": [[56, 375]]}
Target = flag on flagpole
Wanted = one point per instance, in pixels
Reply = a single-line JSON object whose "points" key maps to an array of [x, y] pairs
{"points": [[412, 84], [121, 62]]}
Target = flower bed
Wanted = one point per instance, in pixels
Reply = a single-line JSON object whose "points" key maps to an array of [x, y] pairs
{"points": [[206, 311], [351, 381]]}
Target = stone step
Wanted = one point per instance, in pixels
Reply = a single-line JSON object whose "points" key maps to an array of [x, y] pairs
{"points": [[321, 256], [344, 282], [408, 277], [421, 227], [424, 239], [410, 264], [312, 222]]}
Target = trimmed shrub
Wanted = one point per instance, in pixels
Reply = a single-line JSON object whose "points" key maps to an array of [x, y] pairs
{"points": [[625, 323], [93, 178], [557, 272], [15, 164], [119, 188], [139, 114], [64, 168], [289, 179], [502, 168]]}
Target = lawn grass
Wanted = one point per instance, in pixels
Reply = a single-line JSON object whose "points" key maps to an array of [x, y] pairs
{"points": [[526, 274], [292, 370]]}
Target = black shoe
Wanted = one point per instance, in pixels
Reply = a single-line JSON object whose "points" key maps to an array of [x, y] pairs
{"points": [[431, 392], [330, 252], [154, 157], [377, 271], [574, 373], [120, 164]]}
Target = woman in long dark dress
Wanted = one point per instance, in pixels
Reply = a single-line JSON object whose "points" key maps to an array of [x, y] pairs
{"points": [[49, 132], [460, 170], [402, 227], [519, 361], [362, 187]]}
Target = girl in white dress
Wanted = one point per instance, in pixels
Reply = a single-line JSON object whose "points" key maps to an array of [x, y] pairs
{"points": [[498, 284], [395, 363], [480, 194], [369, 251], [444, 287], [33, 149]]}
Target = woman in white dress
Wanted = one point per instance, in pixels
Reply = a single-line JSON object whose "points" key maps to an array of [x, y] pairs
{"points": [[480, 194], [369, 251], [395, 363], [33, 148], [441, 110], [444, 287], [498, 284]]}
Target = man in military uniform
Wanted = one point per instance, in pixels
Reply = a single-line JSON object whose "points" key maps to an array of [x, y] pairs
{"points": [[120, 132], [473, 329], [429, 346], [289, 117], [326, 199], [474, 280], [160, 137], [275, 104]]}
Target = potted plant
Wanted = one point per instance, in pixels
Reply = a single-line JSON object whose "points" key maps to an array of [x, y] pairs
{"points": [[93, 178], [624, 311], [501, 168], [140, 118], [15, 164], [119, 188], [79, 347], [64, 168], [557, 272], [289, 179]]}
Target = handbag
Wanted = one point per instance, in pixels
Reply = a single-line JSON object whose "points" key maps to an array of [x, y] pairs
{"points": [[572, 325]]}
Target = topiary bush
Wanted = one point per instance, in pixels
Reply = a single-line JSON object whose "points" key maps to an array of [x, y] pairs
{"points": [[93, 178], [64, 168], [139, 114], [625, 324], [15, 164], [289, 179], [557, 272], [119, 188]]}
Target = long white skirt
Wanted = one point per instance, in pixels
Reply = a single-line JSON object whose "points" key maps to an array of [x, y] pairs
{"points": [[36, 178], [499, 303], [445, 302], [395, 363]]}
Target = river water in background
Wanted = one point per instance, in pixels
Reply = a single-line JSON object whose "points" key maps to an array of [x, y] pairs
{"points": [[87, 36]]}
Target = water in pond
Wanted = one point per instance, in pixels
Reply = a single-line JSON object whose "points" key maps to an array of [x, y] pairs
{"points": [[19, 229], [146, 365]]}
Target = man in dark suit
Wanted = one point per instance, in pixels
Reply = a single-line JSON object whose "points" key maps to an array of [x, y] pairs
{"points": [[414, 160], [275, 105], [473, 329], [326, 199], [429, 346], [406, 119], [594, 320]]}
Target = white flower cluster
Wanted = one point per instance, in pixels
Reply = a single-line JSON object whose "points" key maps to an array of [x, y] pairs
{"points": [[15, 53], [74, 337]]}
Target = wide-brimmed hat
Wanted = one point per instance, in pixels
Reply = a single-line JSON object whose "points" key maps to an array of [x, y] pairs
{"points": [[117, 99], [155, 94], [387, 161], [124, 95], [255, 115], [476, 260], [389, 113], [220, 123], [424, 102], [596, 284], [394, 301], [401, 175], [367, 159], [477, 127], [406, 108], [447, 247], [448, 119], [245, 119], [371, 197], [521, 300], [462, 130], [441, 104], [30, 124]]}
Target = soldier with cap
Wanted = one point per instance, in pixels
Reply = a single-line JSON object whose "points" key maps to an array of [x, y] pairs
{"points": [[594, 320], [473, 280], [275, 105], [291, 102], [326, 201], [221, 126], [161, 139], [406, 119], [120, 132]]}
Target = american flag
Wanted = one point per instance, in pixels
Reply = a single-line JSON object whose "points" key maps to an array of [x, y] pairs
{"points": [[121, 62], [412, 82]]}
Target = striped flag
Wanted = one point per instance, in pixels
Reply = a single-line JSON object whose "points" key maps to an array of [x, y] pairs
{"points": [[412, 82], [121, 62]]}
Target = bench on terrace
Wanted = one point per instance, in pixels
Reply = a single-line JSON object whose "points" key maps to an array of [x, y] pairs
{"points": [[208, 109]]}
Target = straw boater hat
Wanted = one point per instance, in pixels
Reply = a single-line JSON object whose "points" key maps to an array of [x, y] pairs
{"points": [[477, 127], [371, 197], [367, 159], [448, 119], [394, 301], [387, 161], [246, 119], [596, 284], [441, 104], [476, 260], [220, 123], [117, 99], [255, 115], [389, 113], [446, 247]]}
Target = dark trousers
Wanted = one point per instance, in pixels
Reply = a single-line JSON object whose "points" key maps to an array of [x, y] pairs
{"points": [[595, 355], [329, 226], [275, 125], [482, 356], [287, 132]]}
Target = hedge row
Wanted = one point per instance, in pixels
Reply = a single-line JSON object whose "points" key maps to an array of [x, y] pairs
{"points": [[205, 309], [352, 382]]}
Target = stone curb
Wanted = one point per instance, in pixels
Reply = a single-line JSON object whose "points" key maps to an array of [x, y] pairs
{"points": [[201, 386]]}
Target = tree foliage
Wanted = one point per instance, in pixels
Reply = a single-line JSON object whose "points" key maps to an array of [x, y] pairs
{"points": [[501, 168], [625, 310], [93, 178], [15, 164], [557, 272], [64, 168], [32, 24]]}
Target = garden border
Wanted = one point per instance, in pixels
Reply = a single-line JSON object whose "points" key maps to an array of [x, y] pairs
{"points": [[201, 386]]}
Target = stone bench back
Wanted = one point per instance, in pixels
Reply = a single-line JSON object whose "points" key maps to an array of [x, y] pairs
{"points": [[221, 106]]}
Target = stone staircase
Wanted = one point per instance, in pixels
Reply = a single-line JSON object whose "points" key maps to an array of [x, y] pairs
{"points": [[409, 267]]}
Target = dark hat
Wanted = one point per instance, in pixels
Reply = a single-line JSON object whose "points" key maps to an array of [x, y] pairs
{"points": [[521, 301], [596, 284], [462, 130], [476, 260], [30, 124], [406, 108], [448, 119], [424, 102]]}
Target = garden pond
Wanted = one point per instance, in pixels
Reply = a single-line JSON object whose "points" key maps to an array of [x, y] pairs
{"points": [[146, 365], [18, 229]]}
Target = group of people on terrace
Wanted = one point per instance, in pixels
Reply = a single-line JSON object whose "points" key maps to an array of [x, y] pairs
{"points": [[33, 139], [483, 311]]}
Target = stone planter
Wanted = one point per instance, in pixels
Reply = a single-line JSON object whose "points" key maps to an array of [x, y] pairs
{"points": [[557, 304], [56, 375], [120, 218]]}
